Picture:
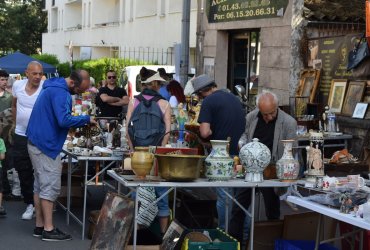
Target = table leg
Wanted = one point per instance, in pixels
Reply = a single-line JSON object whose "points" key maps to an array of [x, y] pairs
{"points": [[174, 203], [97, 166], [251, 234], [361, 239], [317, 242], [135, 219], [69, 174], [226, 213], [85, 197]]}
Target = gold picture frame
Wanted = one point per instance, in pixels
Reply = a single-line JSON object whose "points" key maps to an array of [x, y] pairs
{"points": [[355, 92], [308, 84], [336, 95]]}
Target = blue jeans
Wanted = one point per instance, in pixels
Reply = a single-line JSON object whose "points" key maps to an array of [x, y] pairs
{"points": [[163, 208], [221, 210]]}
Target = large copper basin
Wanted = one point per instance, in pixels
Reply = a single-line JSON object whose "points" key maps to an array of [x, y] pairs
{"points": [[179, 167]]}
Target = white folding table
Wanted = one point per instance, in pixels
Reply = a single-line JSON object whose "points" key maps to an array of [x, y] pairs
{"points": [[333, 213], [71, 169], [134, 184]]}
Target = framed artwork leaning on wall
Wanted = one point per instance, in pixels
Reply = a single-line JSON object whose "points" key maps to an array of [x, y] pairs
{"points": [[360, 110], [336, 95], [308, 84], [355, 92]]}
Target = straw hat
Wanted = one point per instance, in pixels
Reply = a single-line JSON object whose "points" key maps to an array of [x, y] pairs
{"points": [[155, 77]]}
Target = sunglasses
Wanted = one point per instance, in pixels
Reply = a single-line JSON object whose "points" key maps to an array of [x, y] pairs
{"points": [[111, 77]]}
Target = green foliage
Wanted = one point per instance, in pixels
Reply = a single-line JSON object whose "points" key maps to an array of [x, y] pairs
{"points": [[64, 69], [98, 67], [22, 23], [48, 58]]}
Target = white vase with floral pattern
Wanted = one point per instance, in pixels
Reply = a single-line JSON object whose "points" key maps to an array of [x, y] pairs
{"points": [[287, 168], [255, 157], [219, 164]]}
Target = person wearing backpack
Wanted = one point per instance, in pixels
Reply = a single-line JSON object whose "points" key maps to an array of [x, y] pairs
{"points": [[148, 120]]}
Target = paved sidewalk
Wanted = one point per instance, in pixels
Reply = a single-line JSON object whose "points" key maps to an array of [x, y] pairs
{"points": [[16, 234]]}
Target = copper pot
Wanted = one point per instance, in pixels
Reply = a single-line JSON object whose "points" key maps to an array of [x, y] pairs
{"points": [[179, 167]]}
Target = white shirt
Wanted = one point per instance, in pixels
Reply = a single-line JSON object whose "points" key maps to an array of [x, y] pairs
{"points": [[25, 104]]}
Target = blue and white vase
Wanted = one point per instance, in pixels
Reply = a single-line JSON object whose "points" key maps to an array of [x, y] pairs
{"points": [[219, 164], [255, 157]]}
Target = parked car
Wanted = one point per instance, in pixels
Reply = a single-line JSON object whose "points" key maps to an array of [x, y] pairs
{"points": [[130, 77]]}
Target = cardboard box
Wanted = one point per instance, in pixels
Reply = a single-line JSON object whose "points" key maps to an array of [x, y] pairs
{"points": [[76, 191], [293, 229], [265, 234]]}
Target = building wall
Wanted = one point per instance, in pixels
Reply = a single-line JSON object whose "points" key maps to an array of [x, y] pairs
{"points": [[144, 29], [275, 38]]}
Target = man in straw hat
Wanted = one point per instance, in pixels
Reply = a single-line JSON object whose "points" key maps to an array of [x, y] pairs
{"points": [[221, 117]]}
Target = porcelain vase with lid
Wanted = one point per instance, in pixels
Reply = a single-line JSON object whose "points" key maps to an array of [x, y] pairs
{"points": [[287, 168], [255, 157], [219, 164]]}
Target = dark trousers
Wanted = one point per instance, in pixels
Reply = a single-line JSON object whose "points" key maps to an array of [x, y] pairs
{"points": [[7, 164], [23, 165], [244, 196]]}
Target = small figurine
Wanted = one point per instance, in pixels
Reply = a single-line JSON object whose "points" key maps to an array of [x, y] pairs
{"points": [[182, 117], [346, 203]]}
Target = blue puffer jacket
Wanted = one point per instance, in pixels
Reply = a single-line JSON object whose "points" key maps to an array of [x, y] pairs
{"points": [[51, 117]]}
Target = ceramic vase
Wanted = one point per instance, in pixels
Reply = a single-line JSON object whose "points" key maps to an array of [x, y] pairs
{"points": [[142, 163], [287, 168], [255, 157], [219, 164]]}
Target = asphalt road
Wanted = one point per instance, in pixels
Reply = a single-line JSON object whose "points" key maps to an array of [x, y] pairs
{"points": [[16, 234]]}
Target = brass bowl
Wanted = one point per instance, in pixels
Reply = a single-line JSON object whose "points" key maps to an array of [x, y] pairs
{"points": [[141, 163], [142, 149], [179, 167]]}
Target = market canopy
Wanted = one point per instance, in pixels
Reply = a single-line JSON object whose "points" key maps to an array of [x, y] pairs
{"points": [[17, 63]]}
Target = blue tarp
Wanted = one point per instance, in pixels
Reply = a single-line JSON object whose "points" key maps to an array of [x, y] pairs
{"points": [[17, 63]]}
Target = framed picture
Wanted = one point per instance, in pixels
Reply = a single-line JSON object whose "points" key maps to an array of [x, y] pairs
{"points": [[337, 94], [354, 95], [308, 84], [115, 223], [360, 110]]}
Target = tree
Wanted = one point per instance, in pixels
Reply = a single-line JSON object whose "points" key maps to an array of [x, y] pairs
{"points": [[22, 23]]}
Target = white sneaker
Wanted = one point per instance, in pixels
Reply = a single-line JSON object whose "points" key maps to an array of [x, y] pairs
{"points": [[28, 214]]}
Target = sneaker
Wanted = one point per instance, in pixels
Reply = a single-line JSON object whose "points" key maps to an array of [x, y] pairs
{"points": [[28, 214], [55, 235], [12, 197], [37, 232], [2, 211]]}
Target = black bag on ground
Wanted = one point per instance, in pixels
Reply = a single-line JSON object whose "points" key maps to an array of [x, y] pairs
{"points": [[358, 54], [146, 125]]}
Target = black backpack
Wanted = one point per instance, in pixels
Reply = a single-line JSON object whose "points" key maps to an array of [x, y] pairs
{"points": [[146, 125]]}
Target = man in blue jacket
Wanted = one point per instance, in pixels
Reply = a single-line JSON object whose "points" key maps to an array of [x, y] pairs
{"points": [[47, 130]]}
